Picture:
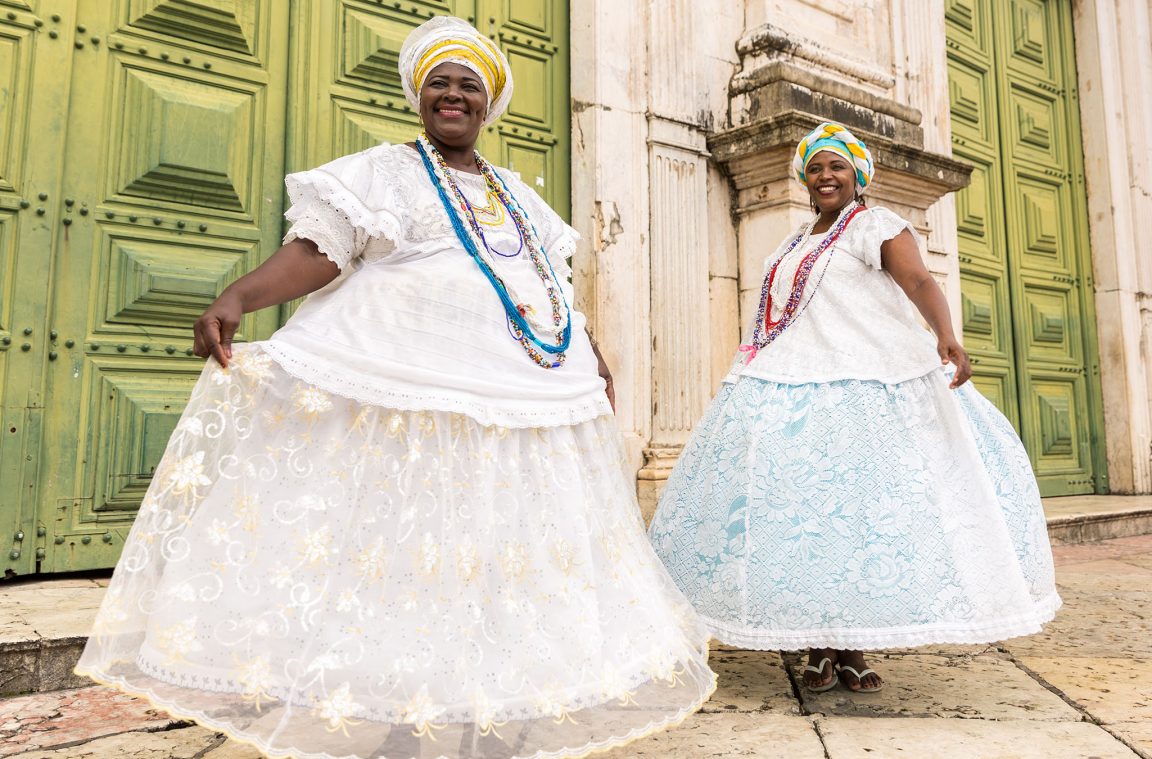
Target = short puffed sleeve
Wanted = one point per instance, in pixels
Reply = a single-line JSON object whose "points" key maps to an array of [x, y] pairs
{"points": [[873, 228], [557, 237], [345, 207]]}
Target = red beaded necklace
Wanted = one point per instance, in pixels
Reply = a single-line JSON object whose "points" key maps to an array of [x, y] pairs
{"points": [[768, 329]]}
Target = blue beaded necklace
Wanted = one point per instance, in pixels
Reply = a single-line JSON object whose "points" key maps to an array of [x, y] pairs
{"points": [[544, 354]]}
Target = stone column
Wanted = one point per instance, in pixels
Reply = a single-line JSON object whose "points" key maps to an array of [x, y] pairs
{"points": [[610, 199], [677, 158], [1114, 63]]}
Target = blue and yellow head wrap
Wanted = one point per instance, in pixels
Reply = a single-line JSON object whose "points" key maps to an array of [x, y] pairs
{"points": [[835, 138], [447, 39]]}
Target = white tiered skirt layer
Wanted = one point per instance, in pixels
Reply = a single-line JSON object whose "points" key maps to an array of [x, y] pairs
{"points": [[324, 578], [857, 515]]}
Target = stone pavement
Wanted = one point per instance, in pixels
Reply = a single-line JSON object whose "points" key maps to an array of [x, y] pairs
{"points": [[1081, 689]]}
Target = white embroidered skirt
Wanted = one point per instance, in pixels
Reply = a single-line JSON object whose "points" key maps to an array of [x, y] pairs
{"points": [[857, 515], [327, 579]]}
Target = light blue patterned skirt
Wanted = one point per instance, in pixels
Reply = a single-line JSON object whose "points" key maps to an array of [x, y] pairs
{"points": [[857, 515]]}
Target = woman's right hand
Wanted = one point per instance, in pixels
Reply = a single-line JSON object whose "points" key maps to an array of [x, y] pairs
{"points": [[296, 269], [216, 327]]}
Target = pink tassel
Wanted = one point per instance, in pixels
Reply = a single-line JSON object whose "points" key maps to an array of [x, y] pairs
{"points": [[751, 350]]}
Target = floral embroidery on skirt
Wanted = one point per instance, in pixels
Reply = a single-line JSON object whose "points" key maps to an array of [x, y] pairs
{"points": [[855, 515], [324, 578]]}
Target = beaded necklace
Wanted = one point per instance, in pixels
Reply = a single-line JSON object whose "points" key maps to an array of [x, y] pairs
{"points": [[768, 329], [523, 321]]}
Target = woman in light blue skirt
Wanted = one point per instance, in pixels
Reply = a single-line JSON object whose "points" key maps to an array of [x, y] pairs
{"points": [[847, 489]]}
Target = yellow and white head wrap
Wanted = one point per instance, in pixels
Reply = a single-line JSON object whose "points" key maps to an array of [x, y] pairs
{"points": [[447, 39], [835, 138]]}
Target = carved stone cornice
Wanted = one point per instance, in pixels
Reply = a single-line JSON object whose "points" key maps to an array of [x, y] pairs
{"points": [[761, 151], [769, 40]]}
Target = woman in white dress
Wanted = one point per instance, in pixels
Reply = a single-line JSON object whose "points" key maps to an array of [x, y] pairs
{"points": [[402, 526], [845, 490]]}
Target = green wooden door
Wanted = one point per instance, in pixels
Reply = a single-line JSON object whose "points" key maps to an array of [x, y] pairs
{"points": [[347, 94], [1024, 260], [159, 177], [30, 131], [143, 145]]}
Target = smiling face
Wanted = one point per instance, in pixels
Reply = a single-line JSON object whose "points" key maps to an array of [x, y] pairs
{"points": [[831, 181], [453, 105]]}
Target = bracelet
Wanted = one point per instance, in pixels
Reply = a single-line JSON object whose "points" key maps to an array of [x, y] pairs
{"points": [[592, 341]]}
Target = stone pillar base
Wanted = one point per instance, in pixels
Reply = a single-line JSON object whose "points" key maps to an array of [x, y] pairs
{"points": [[652, 477]]}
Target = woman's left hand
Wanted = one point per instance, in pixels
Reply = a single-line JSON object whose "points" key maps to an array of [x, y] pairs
{"points": [[951, 352], [605, 374], [607, 377]]}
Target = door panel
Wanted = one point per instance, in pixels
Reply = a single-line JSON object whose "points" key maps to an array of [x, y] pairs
{"points": [[1025, 270], [35, 40], [164, 205], [986, 304]]}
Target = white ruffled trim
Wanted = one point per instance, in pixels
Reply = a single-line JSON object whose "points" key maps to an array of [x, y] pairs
{"points": [[252, 739], [558, 256], [323, 207], [865, 639], [740, 370], [544, 413]]}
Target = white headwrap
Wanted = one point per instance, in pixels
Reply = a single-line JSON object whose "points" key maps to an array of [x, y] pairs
{"points": [[447, 39]]}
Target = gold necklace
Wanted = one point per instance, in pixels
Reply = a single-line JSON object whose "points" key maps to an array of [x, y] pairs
{"points": [[491, 214]]}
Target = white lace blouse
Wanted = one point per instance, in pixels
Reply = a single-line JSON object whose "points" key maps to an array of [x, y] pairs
{"points": [[857, 324], [411, 322]]}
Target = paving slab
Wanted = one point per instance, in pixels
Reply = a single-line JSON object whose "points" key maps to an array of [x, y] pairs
{"points": [[716, 736], [1089, 627], [1109, 549], [186, 743], [234, 750], [916, 685], [43, 627], [48, 608], [751, 681], [43, 720], [1138, 736], [1142, 560], [1110, 689], [860, 738], [1117, 575]]}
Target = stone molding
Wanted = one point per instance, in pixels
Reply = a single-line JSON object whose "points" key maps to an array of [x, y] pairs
{"points": [[769, 40], [762, 151]]}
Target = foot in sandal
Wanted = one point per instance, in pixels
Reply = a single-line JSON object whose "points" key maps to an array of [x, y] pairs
{"points": [[820, 672], [855, 673]]}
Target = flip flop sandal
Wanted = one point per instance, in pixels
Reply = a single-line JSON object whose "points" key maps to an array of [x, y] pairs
{"points": [[820, 671], [860, 678]]}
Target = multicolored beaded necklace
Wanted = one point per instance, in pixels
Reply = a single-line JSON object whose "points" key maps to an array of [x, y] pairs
{"points": [[768, 329], [523, 322]]}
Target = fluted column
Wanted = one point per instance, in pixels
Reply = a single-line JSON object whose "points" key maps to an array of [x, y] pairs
{"points": [[1113, 61]]}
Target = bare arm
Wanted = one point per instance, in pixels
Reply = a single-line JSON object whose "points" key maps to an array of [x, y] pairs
{"points": [[294, 270], [900, 257], [605, 374]]}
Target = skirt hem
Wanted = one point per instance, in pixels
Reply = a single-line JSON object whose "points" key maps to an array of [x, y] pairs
{"points": [[598, 747], [758, 639]]}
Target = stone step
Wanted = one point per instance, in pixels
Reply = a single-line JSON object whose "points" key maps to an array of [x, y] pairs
{"points": [[44, 623], [1090, 518]]}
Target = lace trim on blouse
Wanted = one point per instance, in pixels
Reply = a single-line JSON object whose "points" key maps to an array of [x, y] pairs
{"points": [[514, 414]]}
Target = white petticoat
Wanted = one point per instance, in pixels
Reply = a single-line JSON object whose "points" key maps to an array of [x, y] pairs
{"points": [[324, 578], [857, 515]]}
